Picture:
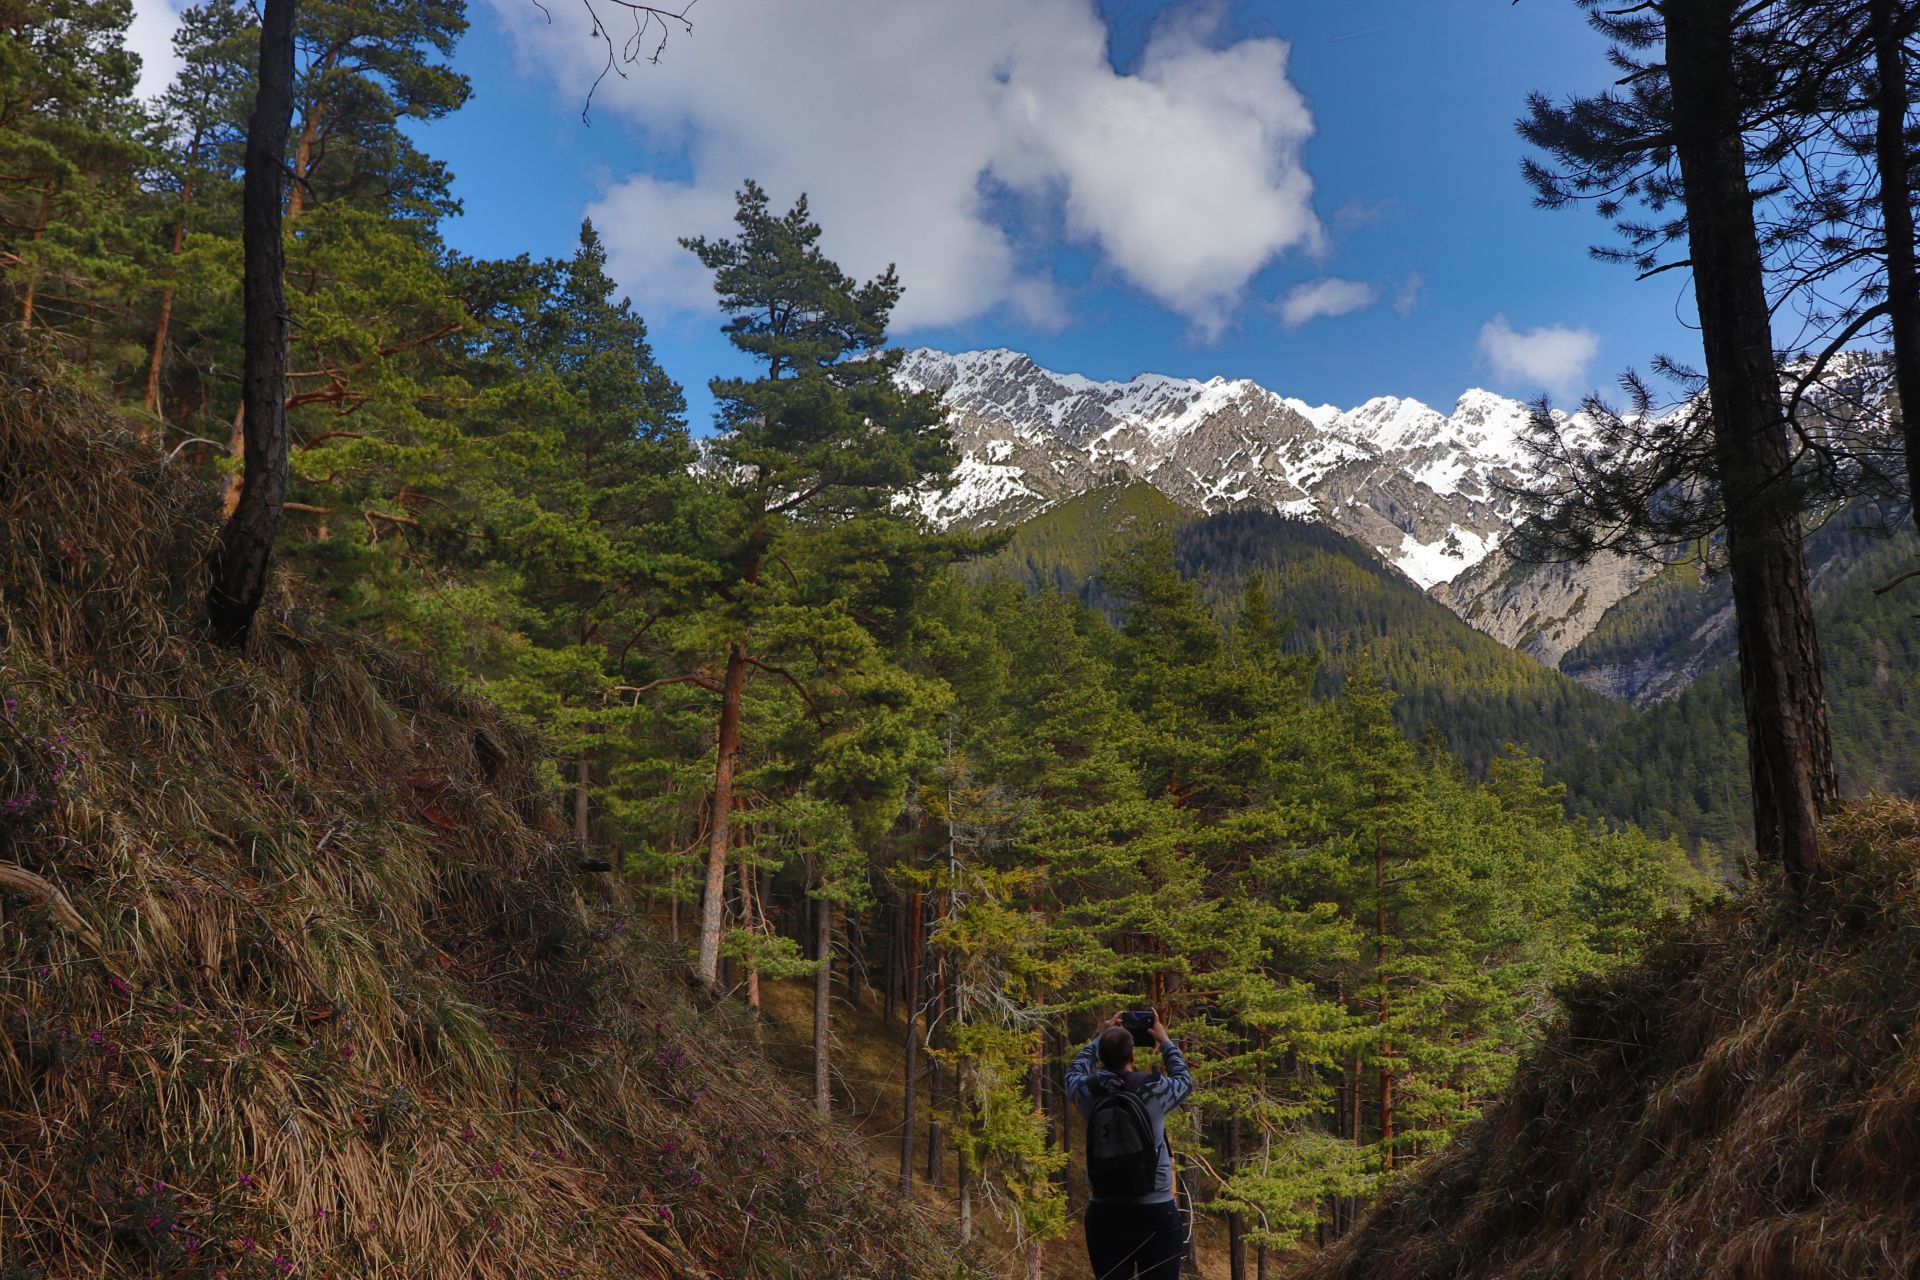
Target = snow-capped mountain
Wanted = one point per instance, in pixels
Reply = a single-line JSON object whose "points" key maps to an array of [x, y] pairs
{"points": [[1418, 486], [1421, 488]]}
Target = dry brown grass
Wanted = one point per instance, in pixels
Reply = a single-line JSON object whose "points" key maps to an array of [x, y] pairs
{"points": [[1742, 1105], [316, 992]]}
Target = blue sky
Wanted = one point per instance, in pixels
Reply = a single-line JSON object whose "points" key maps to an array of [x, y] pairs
{"points": [[1323, 197]]}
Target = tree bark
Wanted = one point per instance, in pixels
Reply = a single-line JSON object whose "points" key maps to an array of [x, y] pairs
{"points": [[936, 1024], [896, 951], [40, 221], [965, 1177], [1790, 754], [856, 956], [750, 919], [302, 164], [157, 359], [726, 750], [582, 782], [234, 481], [823, 1010], [909, 1128], [1380, 973], [245, 556], [1236, 1221], [1896, 215]]}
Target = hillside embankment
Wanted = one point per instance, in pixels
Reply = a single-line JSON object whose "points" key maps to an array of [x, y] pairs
{"points": [[297, 977], [1742, 1104]]}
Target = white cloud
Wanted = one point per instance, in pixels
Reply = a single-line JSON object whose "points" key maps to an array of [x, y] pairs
{"points": [[913, 125], [151, 36], [1550, 357], [1406, 299], [1329, 296]]}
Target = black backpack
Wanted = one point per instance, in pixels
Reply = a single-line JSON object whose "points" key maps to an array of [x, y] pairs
{"points": [[1123, 1160]]}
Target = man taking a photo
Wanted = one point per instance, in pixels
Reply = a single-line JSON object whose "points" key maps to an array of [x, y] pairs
{"points": [[1134, 1229]]}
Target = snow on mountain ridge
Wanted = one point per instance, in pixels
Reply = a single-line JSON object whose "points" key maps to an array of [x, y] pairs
{"points": [[1415, 484]]}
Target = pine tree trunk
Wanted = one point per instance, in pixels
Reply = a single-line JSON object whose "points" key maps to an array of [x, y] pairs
{"points": [[1061, 1104], [582, 784], [751, 920], [40, 222], [1789, 751], [909, 1128], [157, 359], [1896, 212], [855, 956], [896, 950], [303, 163], [726, 751], [232, 483], [965, 1176], [936, 1027], [245, 556], [822, 1010], [1034, 1250], [1236, 1221], [1380, 973]]}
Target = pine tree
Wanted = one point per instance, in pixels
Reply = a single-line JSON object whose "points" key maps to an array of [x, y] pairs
{"points": [[586, 497], [365, 70], [1680, 138], [203, 112], [824, 434], [73, 227], [245, 553]]}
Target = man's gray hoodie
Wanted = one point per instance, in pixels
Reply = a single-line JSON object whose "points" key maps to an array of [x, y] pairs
{"points": [[1160, 1092]]}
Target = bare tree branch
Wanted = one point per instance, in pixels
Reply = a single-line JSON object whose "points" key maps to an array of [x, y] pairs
{"points": [[639, 46]]}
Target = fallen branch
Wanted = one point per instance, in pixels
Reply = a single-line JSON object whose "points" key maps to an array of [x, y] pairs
{"points": [[45, 892]]}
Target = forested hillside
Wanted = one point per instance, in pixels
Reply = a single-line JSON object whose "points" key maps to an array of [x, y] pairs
{"points": [[1680, 767], [1679, 624], [1331, 598], [1724, 1108], [778, 710], [424, 921]]}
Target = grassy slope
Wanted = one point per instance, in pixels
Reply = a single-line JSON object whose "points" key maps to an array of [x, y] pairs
{"points": [[295, 976], [1744, 1104], [1341, 601]]}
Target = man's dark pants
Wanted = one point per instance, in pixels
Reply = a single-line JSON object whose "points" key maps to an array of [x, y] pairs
{"points": [[1135, 1241]]}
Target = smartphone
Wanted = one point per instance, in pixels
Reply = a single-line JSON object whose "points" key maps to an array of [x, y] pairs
{"points": [[1140, 1022]]}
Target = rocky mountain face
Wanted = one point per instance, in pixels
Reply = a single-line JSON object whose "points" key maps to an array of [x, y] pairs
{"points": [[1544, 610], [1427, 492], [1421, 488]]}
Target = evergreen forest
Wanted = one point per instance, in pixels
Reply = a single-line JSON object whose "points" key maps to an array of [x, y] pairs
{"points": [[775, 731]]}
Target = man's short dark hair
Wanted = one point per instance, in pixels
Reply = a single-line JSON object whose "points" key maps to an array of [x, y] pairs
{"points": [[1116, 1048]]}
